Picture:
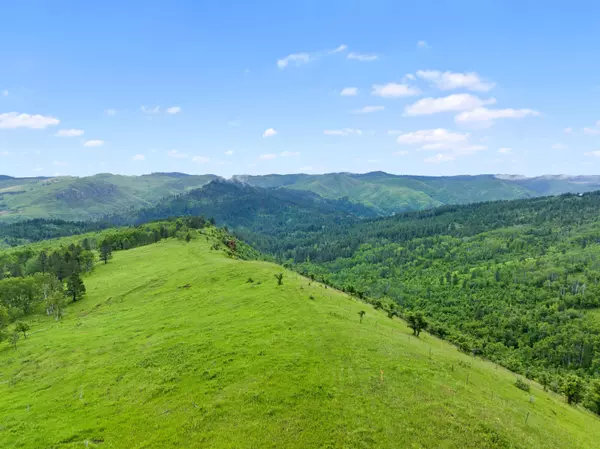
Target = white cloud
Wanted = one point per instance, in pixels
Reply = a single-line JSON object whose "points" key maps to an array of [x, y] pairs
{"points": [[586, 131], [228, 152], [559, 146], [13, 120], [505, 150], [439, 158], [290, 153], [432, 136], [401, 153], [451, 80], [110, 112], [5, 93], [368, 109], [340, 49], [69, 133], [150, 110], [93, 143], [173, 110], [349, 91], [422, 44], [343, 132], [362, 57], [394, 90], [409, 77], [568, 130], [295, 58], [595, 153], [455, 102], [176, 154], [4, 153], [270, 132], [200, 159], [485, 117], [267, 157], [138, 157]]}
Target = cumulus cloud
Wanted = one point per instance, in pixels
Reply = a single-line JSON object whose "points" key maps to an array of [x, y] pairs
{"points": [[200, 159], [422, 44], [343, 132], [267, 157], [4, 153], [139, 157], [368, 109], [13, 120], [485, 117], [229, 153], [69, 132], [452, 80], [449, 144], [595, 153], [110, 112], [505, 150], [394, 90], [349, 91], [94, 143], [431, 136], [455, 103], [339, 49], [296, 59], [586, 131], [362, 57], [176, 154], [568, 130], [270, 132], [173, 110], [290, 153]]}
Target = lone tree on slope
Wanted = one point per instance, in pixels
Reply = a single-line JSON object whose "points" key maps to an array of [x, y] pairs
{"points": [[105, 251], [279, 277], [362, 313], [416, 321], [75, 287]]}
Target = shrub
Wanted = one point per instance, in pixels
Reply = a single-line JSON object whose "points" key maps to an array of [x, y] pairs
{"points": [[522, 385]]}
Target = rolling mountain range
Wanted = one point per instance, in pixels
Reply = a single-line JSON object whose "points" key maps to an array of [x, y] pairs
{"points": [[94, 197]]}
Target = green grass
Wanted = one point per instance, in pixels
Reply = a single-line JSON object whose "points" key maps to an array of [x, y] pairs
{"points": [[172, 348]]}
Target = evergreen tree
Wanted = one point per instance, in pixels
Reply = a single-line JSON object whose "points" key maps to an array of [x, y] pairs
{"points": [[75, 287], [105, 251]]}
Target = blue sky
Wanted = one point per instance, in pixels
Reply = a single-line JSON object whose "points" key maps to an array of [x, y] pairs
{"points": [[232, 87]]}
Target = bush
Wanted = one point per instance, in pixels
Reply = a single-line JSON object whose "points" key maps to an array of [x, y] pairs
{"points": [[522, 385]]}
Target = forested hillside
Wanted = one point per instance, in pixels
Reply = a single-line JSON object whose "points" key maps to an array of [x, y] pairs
{"points": [[179, 343], [93, 197], [88, 198], [518, 282], [389, 193]]}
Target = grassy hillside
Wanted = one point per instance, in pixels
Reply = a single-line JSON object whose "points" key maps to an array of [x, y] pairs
{"points": [[172, 347], [70, 198]]}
